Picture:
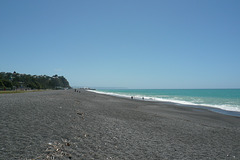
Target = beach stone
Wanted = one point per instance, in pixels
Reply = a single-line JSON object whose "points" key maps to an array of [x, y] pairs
{"points": [[33, 127], [67, 144]]}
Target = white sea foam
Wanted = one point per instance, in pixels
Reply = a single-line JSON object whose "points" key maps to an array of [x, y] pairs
{"points": [[109, 93], [194, 102]]}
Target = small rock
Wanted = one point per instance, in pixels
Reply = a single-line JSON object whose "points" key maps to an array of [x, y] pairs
{"points": [[67, 144], [80, 113]]}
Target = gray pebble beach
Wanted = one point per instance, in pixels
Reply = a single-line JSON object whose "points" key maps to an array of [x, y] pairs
{"points": [[86, 125]]}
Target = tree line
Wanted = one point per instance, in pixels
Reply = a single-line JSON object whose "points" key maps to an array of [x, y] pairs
{"points": [[26, 81]]}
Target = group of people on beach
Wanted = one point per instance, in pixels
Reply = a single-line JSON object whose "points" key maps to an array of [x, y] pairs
{"points": [[77, 91]]}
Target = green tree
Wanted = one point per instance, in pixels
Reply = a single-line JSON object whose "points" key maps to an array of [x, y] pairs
{"points": [[16, 84], [38, 85], [32, 85], [1, 84], [35, 82], [64, 81], [7, 83]]}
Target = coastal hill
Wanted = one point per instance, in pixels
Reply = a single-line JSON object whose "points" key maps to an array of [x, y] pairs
{"points": [[9, 81]]}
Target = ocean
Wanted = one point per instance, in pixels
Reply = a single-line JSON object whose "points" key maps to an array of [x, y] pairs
{"points": [[226, 101]]}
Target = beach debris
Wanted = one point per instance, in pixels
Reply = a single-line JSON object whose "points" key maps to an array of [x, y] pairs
{"points": [[67, 143], [56, 150], [81, 114]]}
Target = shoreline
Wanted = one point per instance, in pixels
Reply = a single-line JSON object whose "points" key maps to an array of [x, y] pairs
{"points": [[60, 124], [210, 108]]}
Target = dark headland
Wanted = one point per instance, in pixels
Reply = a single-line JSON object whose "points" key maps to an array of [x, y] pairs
{"points": [[63, 124]]}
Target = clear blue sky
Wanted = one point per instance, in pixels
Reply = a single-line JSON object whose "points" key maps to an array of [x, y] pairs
{"points": [[124, 43]]}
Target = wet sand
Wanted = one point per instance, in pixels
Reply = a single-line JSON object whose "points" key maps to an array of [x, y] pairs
{"points": [[86, 125]]}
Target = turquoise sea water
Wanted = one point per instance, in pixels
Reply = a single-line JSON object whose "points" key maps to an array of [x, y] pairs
{"points": [[223, 99]]}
